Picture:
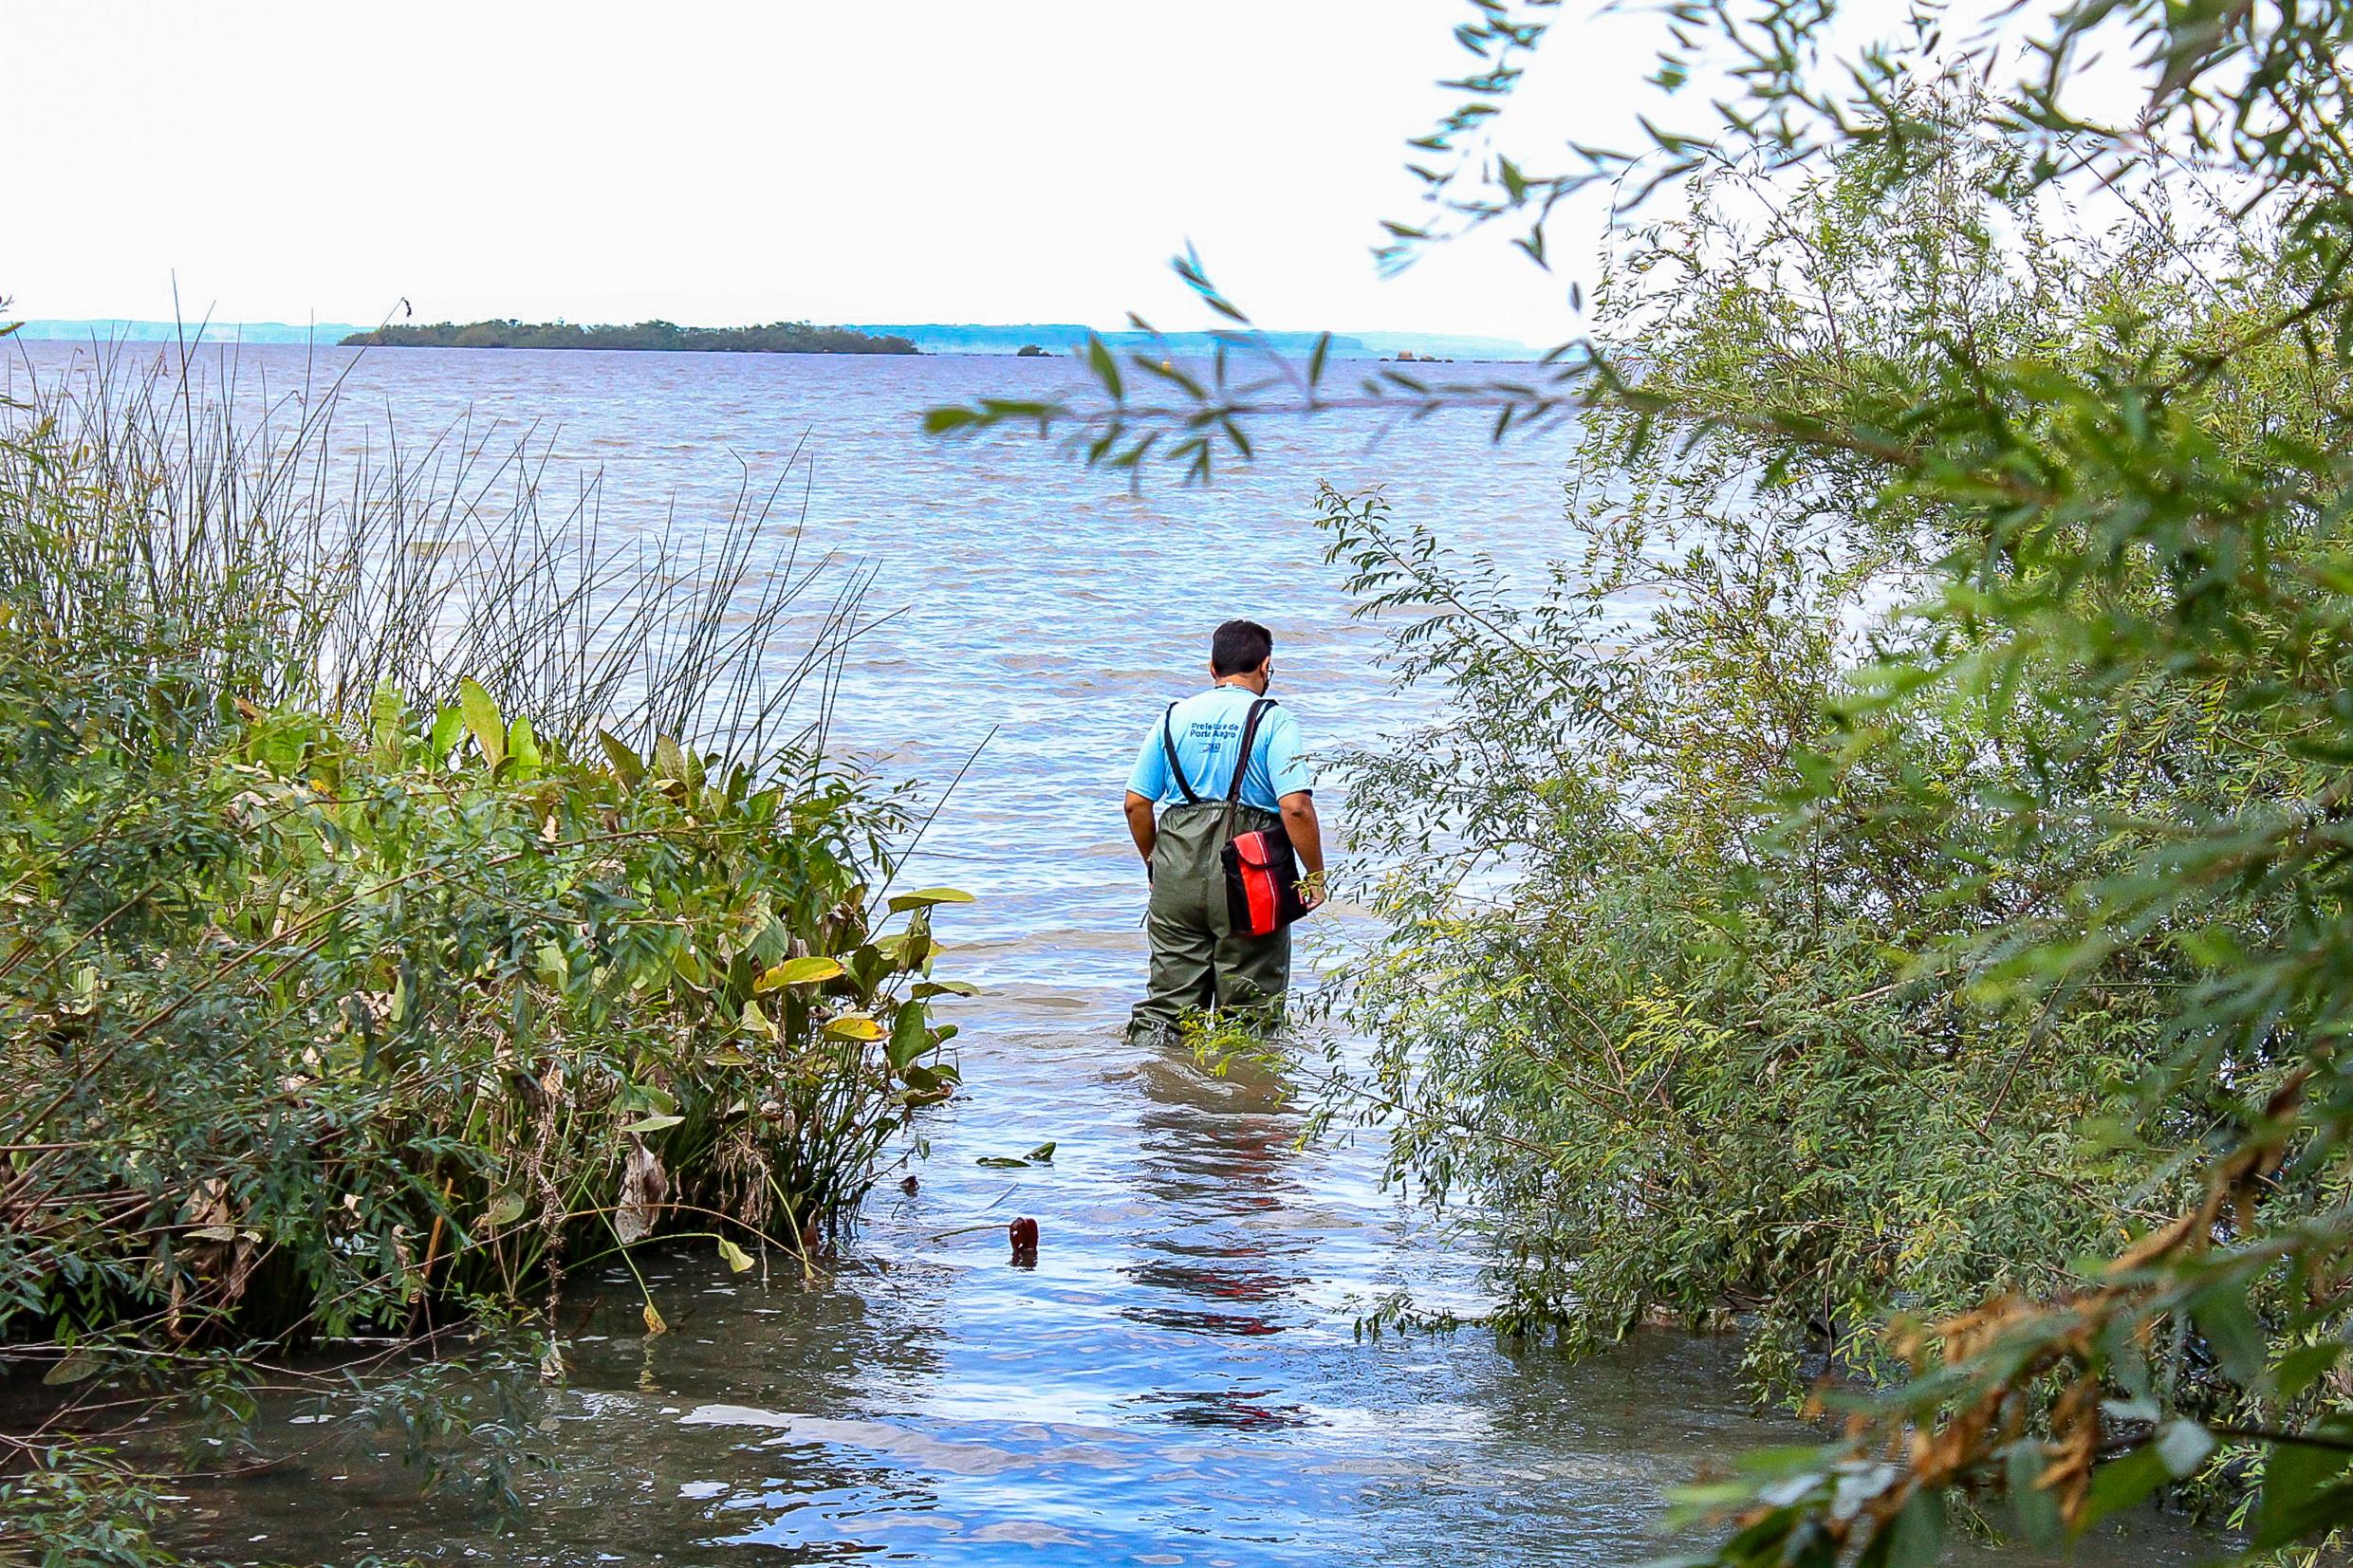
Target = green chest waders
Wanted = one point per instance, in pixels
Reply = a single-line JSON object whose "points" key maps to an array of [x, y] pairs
{"points": [[1198, 962]]}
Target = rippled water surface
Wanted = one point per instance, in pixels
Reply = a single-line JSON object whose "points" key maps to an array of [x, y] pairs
{"points": [[1176, 1380]]}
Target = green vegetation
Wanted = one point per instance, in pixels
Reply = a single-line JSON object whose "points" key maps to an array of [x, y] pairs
{"points": [[1888, 887], [662, 337], [399, 904]]}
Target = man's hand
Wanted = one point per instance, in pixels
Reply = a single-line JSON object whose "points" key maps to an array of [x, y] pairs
{"points": [[1307, 836]]}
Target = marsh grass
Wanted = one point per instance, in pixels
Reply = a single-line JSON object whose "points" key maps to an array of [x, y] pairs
{"points": [[273, 549]]}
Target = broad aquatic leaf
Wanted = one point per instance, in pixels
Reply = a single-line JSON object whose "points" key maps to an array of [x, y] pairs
{"points": [[74, 1368], [388, 721], [654, 1323], [505, 1208], [626, 766], [854, 1028], [1042, 1154], [737, 1259], [925, 989], [653, 1123], [926, 898], [483, 720], [799, 972], [523, 745], [908, 1037]]}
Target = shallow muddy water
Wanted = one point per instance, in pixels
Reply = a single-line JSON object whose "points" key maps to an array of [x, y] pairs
{"points": [[1178, 1381]]}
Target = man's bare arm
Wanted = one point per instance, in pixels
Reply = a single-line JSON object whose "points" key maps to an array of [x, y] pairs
{"points": [[1140, 827], [1307, 836]]}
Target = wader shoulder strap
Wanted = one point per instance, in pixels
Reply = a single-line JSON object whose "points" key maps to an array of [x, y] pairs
{"points": [[1241, 763], [1176, 768]]}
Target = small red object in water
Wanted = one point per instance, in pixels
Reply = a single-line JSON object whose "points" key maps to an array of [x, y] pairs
{"points": [[1024, 1233], [909, 1185]]}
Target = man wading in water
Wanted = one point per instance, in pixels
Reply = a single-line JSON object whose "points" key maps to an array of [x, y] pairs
{"points": [[1192, 764]]}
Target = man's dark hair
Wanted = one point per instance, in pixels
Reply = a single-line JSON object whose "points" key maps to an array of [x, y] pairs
{"points": [[1239, 647]]}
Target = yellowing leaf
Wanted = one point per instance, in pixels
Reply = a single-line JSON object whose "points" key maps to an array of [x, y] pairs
{"points": [[926, 898], [798, 971], [737, 1259], [854, 1028], [654, 1323], [483, 720]]}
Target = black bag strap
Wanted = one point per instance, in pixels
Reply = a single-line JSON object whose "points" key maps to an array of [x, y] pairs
{"points": [[1176, 768], [1241, 763]]}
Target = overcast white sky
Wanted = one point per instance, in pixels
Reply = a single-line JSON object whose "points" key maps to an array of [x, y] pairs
{"points": [[989, 160]]}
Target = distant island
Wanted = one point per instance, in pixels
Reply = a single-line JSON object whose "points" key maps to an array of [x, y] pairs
{"points": [[650, 336]]}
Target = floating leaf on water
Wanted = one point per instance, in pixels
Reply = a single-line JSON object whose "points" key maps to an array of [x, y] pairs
{"points": [[654, 1323], [1042, 1154], [799, 972], [652, 1124], [737, 1259], [926, 898], [854, 1028]]}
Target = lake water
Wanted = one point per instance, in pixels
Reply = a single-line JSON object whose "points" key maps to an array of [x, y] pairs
{"points": [[1178, 1381]]}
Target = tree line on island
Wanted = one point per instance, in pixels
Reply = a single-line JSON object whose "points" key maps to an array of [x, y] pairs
{"points": [[775, 338]]}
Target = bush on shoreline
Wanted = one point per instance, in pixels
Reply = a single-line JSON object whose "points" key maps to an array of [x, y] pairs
{"points": [[337, 995]]}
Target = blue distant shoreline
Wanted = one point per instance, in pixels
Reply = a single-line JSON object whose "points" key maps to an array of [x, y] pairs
{"points": [[948, 337]]}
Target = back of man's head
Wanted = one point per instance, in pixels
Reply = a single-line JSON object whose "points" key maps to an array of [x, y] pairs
{"points": [[1238, 647]]}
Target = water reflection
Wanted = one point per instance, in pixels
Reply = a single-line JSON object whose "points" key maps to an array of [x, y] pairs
{"points": [[1216, 1152]]}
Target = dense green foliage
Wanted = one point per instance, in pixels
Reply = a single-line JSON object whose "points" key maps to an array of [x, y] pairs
{"points": [[776, 338], [1902, 861], [338, 997], [1746, 997]]}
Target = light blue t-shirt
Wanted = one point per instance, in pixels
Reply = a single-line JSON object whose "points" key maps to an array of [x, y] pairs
{"points": [[1207, 727]]}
